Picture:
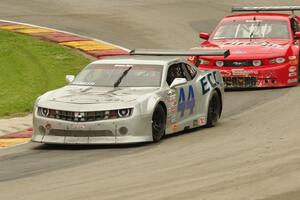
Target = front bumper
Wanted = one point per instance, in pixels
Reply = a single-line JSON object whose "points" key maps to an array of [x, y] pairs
{"points": [[54, 131], [257, 77]]}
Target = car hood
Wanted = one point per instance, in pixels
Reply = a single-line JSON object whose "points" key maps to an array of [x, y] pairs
{"points": [[97, 95], [255, 48]]}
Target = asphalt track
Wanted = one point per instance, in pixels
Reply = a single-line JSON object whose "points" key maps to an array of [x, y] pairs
{"points": [[252, 154]]}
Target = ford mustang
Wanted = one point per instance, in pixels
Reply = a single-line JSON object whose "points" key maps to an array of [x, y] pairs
{"points": [[129, 99], [264, 48]]}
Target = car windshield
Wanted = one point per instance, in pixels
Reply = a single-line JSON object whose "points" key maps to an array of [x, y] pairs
{"points": [[119, 75], [252, 29]]}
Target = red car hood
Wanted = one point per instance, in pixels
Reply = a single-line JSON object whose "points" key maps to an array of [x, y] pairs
{"points": [[251, 49]]}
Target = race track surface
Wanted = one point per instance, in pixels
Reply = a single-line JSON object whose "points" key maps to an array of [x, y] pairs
{"points": [[253, 153]]}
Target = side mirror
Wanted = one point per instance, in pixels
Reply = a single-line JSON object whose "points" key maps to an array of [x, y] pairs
{"points": [[70, 78], [297, 35], [204, 36], [177, 82]]}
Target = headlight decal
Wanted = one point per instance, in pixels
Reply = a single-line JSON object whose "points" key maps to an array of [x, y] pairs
{"points": [[256, 63], [278, 60], [220, 63], [124, 112]]}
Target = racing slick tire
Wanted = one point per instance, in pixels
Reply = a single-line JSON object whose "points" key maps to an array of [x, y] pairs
{"points": [[158, 123], [214, 109]]}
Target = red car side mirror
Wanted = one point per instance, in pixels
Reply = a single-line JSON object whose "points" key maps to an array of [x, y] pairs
{"points": [[204, 36], [297, 35]]}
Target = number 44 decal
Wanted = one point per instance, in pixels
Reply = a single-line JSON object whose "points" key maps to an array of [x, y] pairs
{"points": [[183, 104]]}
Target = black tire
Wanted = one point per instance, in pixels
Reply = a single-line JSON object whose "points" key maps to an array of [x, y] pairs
{"points": [[158, 123], [214, 109]]}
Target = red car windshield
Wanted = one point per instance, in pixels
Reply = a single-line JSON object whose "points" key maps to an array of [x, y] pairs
{"points": [[243, 29]]}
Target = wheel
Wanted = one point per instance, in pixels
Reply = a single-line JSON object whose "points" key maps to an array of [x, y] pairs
{"points": [[158, 123], [214, 109]]}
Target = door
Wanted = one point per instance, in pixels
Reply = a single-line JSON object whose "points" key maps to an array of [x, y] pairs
{"points": [[185, 96]]}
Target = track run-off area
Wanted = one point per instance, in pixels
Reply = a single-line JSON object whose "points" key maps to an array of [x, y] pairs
{"points": [[253, 153]]}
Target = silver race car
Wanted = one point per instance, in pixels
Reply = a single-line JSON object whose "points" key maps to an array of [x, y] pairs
{"points": [[129, 99]]}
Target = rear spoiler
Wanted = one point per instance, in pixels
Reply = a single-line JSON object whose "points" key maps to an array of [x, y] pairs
{"points": [[170, 52], [265, 8]]}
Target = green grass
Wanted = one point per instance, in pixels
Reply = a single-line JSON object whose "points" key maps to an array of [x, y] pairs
{"points": [[29, 67]]}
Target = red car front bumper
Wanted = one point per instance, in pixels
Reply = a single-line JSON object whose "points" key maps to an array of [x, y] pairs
{"points": [[282, 75]]}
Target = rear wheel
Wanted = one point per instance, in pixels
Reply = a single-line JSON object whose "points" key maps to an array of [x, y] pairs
{"points": [[214, 109], [158, 123]]}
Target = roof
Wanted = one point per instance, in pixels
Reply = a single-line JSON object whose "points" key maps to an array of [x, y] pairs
{"points": [[151, 60]]}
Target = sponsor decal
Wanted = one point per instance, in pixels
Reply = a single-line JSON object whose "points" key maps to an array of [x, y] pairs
{"points": [[202, 121], [256, 43], [48, 126], [225, 73], [173, 120], [292, 74], [192, 58], [172, 106], [238, 52], [209, 82], [239, 72], [125, 65], [253, 21], [237, 63], [293, 62], [293, 69], [78, 126], [171, 110], [171, 96], [293, 80], [292, 57], [79, 115], [195, 123], [174, 127]]}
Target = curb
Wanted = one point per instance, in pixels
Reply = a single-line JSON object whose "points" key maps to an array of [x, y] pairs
{"points": [[14, 139], [20, 134], [90, 46]]}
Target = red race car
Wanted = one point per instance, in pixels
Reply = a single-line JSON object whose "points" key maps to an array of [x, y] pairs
{"points": [[264, 48]]}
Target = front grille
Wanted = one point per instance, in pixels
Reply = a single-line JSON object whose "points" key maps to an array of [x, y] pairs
{"points": [[236, 82], [77, 116], [81, 133], [238, 63], [83, 116]]}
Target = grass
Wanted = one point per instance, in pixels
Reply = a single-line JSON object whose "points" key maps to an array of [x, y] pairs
{"points": [[29, 67]]}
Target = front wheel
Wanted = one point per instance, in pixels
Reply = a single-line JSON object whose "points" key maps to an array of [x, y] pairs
{"points": [[214, 109], [158, 123]]}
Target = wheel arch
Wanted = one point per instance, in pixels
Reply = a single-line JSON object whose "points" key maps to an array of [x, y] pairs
{"points": [[221, 99], [164, 106]]}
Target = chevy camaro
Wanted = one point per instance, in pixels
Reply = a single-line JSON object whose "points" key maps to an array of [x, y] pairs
{"points": [[129, 99]]}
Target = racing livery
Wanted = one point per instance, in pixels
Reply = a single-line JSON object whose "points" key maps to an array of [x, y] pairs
{"points": [[264, 48], [130, 99]]}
